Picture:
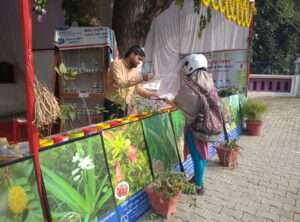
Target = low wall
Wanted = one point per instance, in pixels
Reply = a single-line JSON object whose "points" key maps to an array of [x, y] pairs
{"points": [[273, 85]]}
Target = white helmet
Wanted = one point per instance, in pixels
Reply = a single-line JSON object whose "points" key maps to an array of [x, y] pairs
{"points": [[194, 62]]}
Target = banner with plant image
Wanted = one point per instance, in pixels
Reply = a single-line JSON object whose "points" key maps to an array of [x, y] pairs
{"points": [[128, 160], [231, 112], [178, 121], [161, 143], [77, 182], [19, 198]]}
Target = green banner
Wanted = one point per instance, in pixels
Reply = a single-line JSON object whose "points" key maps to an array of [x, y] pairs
{"points": [[18, 193], [127, 158], [77, 182], [161, 143]]}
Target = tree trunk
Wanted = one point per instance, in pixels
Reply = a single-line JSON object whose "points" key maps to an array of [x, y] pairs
{"points": [[132, 20]]}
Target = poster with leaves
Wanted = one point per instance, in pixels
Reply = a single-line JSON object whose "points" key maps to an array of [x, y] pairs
{"points": [[161, 143], [19, 198], [178, 121], [231, 112], [128, 160], [77, 181]]}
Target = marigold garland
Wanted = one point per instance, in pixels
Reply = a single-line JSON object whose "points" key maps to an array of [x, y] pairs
{"points": [[239, 11]]}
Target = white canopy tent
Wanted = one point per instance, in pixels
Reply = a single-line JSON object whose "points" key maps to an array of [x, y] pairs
{"points": [[174, 34]]}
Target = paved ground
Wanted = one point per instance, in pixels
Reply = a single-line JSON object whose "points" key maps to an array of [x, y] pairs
{"points": [[266, 184]]}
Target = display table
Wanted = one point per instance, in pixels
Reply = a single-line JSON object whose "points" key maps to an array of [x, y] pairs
{"points": [[98, 173]]}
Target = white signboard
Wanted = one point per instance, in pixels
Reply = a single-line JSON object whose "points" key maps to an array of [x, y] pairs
{"points": [[82, 37], [229, 68]]}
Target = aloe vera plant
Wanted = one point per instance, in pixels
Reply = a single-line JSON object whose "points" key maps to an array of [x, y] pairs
{"points": [[80, 188]]}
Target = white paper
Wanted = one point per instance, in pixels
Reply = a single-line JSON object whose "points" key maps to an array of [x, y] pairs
{"points": [[168, 96]]}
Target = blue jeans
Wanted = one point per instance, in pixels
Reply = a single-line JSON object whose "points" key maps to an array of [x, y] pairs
{"points": [[199, 163]]}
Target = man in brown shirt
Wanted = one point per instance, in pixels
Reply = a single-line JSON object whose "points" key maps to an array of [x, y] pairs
{"points": [[123, 82]]}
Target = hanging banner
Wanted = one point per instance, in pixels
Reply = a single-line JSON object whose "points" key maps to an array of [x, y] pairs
{"points": [[229, 68]]}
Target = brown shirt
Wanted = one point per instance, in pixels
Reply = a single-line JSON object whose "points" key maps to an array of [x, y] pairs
{"points": [[121, 82]]}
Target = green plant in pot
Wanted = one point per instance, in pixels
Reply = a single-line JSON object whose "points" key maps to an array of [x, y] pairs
{"points": [[165, 191], [228, 153], [253, 111]]}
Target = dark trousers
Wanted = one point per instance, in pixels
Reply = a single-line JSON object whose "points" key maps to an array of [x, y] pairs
{"points": [[112, 110]]}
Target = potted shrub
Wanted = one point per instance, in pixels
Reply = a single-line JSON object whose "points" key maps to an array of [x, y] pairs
{"points": [[228, 153], [165, 191], [252, 111]]}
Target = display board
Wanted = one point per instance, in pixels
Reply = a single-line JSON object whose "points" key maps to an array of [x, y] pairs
{"points": [[128, 160], [178, 121], [229, 68], [161, 143], [77, 182], [231, 112], [19, 198]]}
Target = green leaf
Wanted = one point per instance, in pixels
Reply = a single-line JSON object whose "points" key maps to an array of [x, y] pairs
{"points": [[63, 191], [31, 196], [104, 199], [100, 189], [21, 181], [35, 205], [62, 68]]}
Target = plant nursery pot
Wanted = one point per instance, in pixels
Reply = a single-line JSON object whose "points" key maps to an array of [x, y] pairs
{"points": [[89, 131], [228, 157], [160, 206], [254, 127], [59, 139]]}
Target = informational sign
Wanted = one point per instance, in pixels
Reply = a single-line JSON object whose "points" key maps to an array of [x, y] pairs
{"points": [[127, 159], [82, 37], [229, 68], [77, 182], [19, 198], [159, 133]]}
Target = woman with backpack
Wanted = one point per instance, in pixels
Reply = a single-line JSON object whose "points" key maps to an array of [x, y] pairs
{"points": [[199, 100]]}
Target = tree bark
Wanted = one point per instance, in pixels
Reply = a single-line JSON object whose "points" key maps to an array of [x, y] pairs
{"points": [[132, 20]]}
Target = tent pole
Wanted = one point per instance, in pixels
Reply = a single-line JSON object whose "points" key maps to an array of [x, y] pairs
{"points": [[33, 135]]}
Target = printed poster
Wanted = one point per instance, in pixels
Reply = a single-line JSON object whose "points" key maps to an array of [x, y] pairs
{"points": [[19, 198], [229, 68], [77, 182], [161, 143], [128, 160]]}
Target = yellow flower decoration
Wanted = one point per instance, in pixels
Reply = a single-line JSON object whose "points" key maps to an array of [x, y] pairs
{"points": [[206, 2], [17, 200], [239, 11]]}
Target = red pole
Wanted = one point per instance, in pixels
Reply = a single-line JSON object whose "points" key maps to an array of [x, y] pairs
{"points": [[33, 135]]}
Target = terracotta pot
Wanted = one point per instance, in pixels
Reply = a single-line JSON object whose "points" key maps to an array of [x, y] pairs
{"points": [[254, 127], [160, 206], [228, 157]]}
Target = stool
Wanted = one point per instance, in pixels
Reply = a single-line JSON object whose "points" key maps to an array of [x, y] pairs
{"points": [[19, 130]]}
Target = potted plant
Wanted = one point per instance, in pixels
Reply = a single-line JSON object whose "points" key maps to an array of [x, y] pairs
{"points": [[252, 111], [165, 191], [228, 153]]}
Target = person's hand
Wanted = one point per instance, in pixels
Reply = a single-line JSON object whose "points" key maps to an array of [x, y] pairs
{"points": [[154, 95], [148, 76]]}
